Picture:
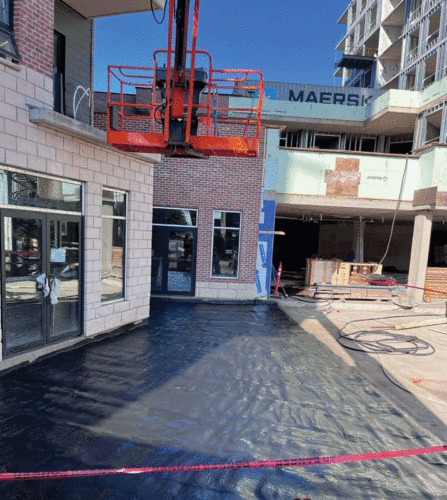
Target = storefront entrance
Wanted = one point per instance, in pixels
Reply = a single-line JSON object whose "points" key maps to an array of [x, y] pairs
{"points": [[173, 261], [40, 278], [174, 240]]}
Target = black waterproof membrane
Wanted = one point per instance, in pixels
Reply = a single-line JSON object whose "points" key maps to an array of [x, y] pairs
{"points": [[203, 384]]}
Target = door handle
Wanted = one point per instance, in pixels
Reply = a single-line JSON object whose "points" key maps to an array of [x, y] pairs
{"points": [[42, 280]]}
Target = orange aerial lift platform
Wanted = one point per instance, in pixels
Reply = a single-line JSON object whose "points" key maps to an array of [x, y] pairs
{"points": [[184, 112]]}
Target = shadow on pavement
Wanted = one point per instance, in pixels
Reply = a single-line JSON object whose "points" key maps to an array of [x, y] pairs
{"points": [[207, 383]]}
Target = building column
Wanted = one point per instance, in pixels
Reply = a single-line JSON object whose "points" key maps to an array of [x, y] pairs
{"points": [[358, 240], [419, 253]]}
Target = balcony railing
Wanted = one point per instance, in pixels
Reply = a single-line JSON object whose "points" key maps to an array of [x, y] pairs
{"points": [[412, 54], [415, 14], [432, 3], [428, 80], [432, 39]]}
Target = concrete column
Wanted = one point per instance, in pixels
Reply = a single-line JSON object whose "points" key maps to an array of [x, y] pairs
{"points": [[443, 131], [358, 240], [419, 253]]}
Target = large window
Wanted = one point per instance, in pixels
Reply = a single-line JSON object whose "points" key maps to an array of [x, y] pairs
{"points": [[8, 49], [113, 244], [25, 190], [226, 244]]}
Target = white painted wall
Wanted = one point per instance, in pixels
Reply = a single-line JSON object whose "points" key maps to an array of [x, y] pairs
{"points": [[302, 172]]}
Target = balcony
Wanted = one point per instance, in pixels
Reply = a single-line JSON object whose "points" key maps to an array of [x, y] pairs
{"points": [[357, 58], [93, 9], [414, 15], [432, 39], [412, 55], [395, 16], [428, 80]]}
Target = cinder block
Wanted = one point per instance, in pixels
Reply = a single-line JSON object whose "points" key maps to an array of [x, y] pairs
{"points": [[121, 306], [129, 316], [15, 158], [94, 326], [113, 321]]}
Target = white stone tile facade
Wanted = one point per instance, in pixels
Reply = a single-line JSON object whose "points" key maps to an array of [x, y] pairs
{"points": [[39, 150]]}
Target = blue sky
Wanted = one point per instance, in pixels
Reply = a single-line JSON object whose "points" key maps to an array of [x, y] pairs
{"points": [[288, 40]]}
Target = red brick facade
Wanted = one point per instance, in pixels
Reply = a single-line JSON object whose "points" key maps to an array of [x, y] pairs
{"points": [[228, 184], [33, 33], [232, 184]]}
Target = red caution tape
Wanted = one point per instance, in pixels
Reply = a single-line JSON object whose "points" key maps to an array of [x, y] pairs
{"points": [[268, 464]]}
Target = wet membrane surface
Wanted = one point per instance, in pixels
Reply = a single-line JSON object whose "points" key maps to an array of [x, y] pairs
{"points": [[206, 383]]}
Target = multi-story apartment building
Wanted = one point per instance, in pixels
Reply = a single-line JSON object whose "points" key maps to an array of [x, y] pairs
{"points": [[340, 160], [393, 44], [75, 213]]}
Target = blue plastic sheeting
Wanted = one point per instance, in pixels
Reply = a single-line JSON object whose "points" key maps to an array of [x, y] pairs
{"points": [[207, 383]]}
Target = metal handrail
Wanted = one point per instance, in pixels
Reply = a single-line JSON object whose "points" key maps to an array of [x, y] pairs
{"points": [[432, 39], [413, 53], [415, 14], [424, 84], [218, 80]]}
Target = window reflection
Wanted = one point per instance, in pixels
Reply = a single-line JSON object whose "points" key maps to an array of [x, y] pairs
{"points": [[175, 217], [226, 244], [40, 192], [113, 241]]}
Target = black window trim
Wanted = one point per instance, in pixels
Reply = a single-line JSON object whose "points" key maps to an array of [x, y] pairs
{"points": [[8, 31]]}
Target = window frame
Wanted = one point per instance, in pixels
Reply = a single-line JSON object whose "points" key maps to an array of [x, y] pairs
{"points": [[196, 210], [115, 217], [8, 31], [227, 228]]}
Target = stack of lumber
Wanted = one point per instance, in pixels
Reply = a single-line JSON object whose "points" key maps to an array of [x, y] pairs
{"points": [[348, 292], [435, 279]]}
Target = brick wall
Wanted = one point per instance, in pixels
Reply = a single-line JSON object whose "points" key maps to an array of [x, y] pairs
{"points": [[33, 33], [232, 184], [216, 184]]}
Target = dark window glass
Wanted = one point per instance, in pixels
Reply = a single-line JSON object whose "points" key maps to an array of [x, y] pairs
{"points": [[368, 144], [5, 13], [30, 191], [112, 263], [59, 72], [225, 252], [326, 142], [227, 219], [175, 217], [8, 48], [113, 203], [401, 148]]}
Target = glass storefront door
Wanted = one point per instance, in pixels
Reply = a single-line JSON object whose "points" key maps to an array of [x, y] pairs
{"points": [[40, 279], [64, 276], [23, 311], [173, 260]]}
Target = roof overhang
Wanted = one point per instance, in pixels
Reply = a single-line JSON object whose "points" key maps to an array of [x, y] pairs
{"points": [[104, 8]]}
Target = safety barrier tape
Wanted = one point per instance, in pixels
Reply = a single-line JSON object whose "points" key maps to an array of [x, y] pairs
{"points": [[294, 462]]}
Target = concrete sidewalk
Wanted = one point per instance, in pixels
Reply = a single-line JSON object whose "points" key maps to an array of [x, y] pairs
{"points": [[421, 373]]}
